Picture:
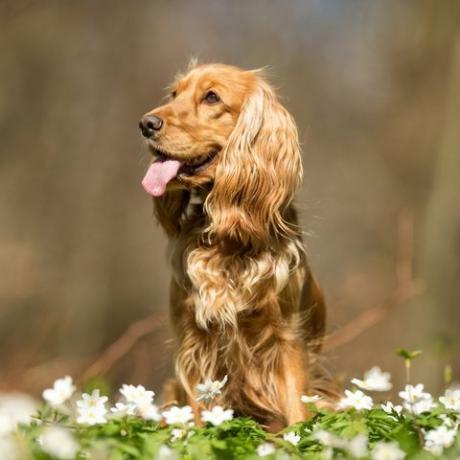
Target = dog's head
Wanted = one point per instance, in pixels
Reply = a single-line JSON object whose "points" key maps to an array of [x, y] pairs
{"points": [[223, 129]]}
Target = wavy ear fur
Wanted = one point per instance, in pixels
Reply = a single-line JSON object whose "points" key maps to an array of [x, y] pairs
{"points": [[257, 175]]}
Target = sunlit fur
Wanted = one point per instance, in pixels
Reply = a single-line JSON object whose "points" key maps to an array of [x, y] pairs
{"points": [[243, 300]]}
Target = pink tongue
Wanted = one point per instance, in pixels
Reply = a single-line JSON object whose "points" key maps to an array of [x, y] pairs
{"points": [[158, 175]]}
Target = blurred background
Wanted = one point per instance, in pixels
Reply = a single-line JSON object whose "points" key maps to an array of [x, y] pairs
{"points": [[375, 89]]}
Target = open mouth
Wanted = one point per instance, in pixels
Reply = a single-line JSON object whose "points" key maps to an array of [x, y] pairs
{"points": [[187, 167], [166, 167]]}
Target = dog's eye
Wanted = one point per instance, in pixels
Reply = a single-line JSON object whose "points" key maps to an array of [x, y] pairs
{"points": [[173, 94], [211, 97]]}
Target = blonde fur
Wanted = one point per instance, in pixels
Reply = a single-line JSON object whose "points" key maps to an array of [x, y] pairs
{"points": [[243, 300]]}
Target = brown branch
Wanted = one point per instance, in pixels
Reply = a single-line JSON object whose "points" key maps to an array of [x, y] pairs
{"points": [[406, 288], [122, 345]]}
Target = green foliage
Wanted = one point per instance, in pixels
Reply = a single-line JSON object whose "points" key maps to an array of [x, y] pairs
{"points": [[132, 438], [421, 429], [408, 355]]}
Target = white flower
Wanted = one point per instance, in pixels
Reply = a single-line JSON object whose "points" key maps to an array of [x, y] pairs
{"points": [[122, 410], [310, 399], [178, 415], [7, 424], [265, 449], [217, 415], [439, 438], [448, 422], [139, 401], [374, 380], [389, 408], [324, 437], [19, 407], [424, 405], [208, 390], [15, 408], [329, 439], [93, 400], [62, 390], [165, 453], [58, 442], [137, 395], [177, 433], [413, 394], [149, 412], [387, 451], [451, 400], [292, 438], [415, 399], [91, 416], [91, 408], [356, 399], [357, 447], [10, 449]]}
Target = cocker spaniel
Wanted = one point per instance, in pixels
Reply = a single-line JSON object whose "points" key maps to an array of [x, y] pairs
{"points": [[226, 164]]}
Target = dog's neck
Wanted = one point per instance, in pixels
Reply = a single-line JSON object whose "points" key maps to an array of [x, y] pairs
{"points": [[197, 196]]}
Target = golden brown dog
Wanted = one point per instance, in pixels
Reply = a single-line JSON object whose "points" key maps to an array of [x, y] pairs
{"points": [[226, 165]]}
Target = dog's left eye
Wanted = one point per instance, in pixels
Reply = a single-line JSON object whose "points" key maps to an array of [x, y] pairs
{"points": [[211, 97]]}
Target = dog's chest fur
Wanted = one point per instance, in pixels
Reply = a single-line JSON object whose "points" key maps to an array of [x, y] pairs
{"points": [[225, 282]]}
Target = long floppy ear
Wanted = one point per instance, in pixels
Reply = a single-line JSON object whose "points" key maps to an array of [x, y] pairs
{"points": [[258, 173], [169, 209]]}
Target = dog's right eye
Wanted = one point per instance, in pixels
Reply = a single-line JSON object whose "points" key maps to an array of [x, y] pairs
{"points": [[211, 97], [173, 94]]}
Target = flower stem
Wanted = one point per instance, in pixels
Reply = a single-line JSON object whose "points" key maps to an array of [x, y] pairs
{"points": [[408, 366]]}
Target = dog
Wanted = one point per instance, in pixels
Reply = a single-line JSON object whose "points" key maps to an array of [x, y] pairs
{"points": [[226, 164]]}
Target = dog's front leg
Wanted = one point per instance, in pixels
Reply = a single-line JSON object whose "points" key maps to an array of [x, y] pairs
{"points": [[292, 383]]}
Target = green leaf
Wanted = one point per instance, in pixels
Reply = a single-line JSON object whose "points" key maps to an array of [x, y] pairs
{"points": [[406, 437], [409, 355]]}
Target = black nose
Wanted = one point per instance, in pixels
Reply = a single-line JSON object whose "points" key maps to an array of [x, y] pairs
{"points": [[150, 124]]}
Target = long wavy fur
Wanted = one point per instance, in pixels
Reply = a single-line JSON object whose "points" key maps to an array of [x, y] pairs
{"points": [[244, 302]]}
